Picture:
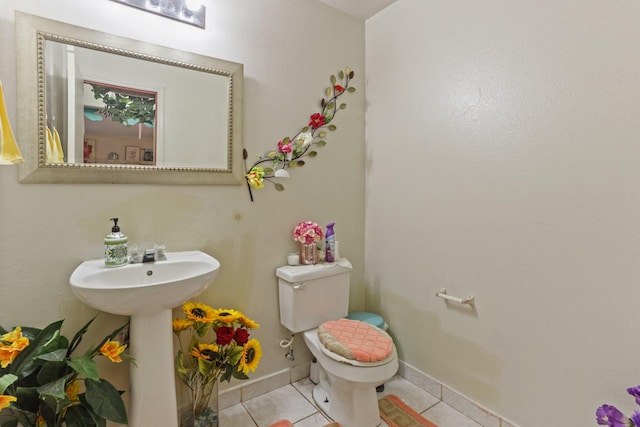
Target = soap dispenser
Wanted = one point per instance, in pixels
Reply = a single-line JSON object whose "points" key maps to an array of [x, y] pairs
{"points": [[115, 247]]}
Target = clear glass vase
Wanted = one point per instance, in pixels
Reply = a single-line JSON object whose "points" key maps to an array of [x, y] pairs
{"points": [[203, 407], [308, 254]]}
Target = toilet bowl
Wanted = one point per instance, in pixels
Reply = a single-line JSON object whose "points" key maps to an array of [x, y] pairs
{"points": [[346, 388]]}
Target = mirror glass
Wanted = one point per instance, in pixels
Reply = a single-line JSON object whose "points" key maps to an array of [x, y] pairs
{"points": [[100, 108]]}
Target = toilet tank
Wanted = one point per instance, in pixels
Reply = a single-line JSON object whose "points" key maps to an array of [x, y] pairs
{"points": [[312, 294]]}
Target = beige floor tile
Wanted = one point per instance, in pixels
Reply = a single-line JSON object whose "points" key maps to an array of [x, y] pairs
{"points": [[418, 399], [294, 402], [236, 416], [445, 416], [305, 387], [315, 420], [282, 403]]}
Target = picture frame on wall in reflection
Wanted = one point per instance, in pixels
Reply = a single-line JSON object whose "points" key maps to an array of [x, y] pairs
{"points": [[146, 156], [132, 154]]}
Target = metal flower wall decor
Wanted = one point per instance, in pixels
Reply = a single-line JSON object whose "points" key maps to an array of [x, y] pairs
{"points": [[290, 152]]}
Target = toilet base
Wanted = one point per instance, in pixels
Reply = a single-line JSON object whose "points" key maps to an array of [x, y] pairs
{"points": [[347, 408]]}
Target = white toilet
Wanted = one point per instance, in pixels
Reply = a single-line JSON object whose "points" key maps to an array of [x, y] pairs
{"points": [[311, 295]]}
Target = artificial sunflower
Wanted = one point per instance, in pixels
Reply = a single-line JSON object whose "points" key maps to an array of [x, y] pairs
{"points": [[251, 356], [214, 351], [225, 315], [248, 323], [180, 325], [199, 312], [205, 351]]}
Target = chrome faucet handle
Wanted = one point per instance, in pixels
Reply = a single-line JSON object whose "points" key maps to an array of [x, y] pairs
{"points": [[135, 254], [158, 249]]}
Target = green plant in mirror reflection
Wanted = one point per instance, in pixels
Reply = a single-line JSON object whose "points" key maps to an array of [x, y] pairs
{"points": [[126, 108], [289, 152]]}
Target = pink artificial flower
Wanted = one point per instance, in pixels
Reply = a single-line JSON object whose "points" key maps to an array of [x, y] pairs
{"points": [[284, 148], [308, 233]]}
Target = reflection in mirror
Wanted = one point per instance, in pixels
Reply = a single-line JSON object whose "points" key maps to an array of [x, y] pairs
{"points": [[111, 109], [117, 119]]}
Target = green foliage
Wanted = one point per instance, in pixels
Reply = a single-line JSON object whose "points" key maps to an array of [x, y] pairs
{"points": [[124, 107], [40, 377]]}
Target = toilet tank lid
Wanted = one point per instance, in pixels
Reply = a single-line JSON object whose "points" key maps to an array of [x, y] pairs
{"points": [[300, 273]]}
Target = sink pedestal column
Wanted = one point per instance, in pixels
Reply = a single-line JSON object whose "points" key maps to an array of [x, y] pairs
{"points": [[153, 386]]}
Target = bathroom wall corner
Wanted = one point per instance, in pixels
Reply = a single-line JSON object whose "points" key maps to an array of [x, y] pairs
{"points": [[452, 398]]}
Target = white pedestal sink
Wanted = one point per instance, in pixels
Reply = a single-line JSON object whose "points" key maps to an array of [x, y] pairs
{"points": [[147, 292]]}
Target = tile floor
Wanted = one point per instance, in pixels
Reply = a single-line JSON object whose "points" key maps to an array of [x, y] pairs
{"points": [[294, 403]]}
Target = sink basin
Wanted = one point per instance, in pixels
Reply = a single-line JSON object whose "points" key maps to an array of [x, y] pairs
{"points": [[144, 288], [147, 292]]}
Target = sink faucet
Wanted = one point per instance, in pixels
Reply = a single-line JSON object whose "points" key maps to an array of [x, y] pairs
{"points": [[149, 255]]}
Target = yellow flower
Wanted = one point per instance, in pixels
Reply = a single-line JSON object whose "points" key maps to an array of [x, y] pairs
{"points": [[11, 337], [180, 325], [227, 315], [198, 312], [255, 177], [5, 401], [205, 351], [248, 323], [250, 356], [11, 344], [73, 390], [112, 350], [40, 422]]}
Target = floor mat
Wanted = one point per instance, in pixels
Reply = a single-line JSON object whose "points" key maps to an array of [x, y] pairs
{"points": [[396, 413]]}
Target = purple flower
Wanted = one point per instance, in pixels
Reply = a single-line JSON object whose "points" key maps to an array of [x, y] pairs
{"points": [[608, 415], [635, 392], [635, 418]]}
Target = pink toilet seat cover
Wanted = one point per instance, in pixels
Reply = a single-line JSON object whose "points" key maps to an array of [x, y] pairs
{"points": [[355, 340]]}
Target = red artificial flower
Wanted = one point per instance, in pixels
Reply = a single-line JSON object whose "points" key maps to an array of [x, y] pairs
{"points": [[317, 120], [224, 335], [339, 90], [241, 336]]}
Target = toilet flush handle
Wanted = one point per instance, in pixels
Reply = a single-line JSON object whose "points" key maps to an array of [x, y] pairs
{"points": [[299, 286]]}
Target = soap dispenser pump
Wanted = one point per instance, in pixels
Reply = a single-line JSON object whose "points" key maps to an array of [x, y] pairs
{"points": [[115, 247]]}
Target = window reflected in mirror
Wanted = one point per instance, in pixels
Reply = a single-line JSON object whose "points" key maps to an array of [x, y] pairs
{"points": [[177, 116], [119, 124]]}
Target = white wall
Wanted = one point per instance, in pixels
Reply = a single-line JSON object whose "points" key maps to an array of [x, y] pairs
{"points": [[289, 49], [502, 161]]}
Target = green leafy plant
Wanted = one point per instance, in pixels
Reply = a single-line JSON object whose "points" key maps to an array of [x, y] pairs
{"points": [[43, 385], [125, 108], [289, 152]]}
